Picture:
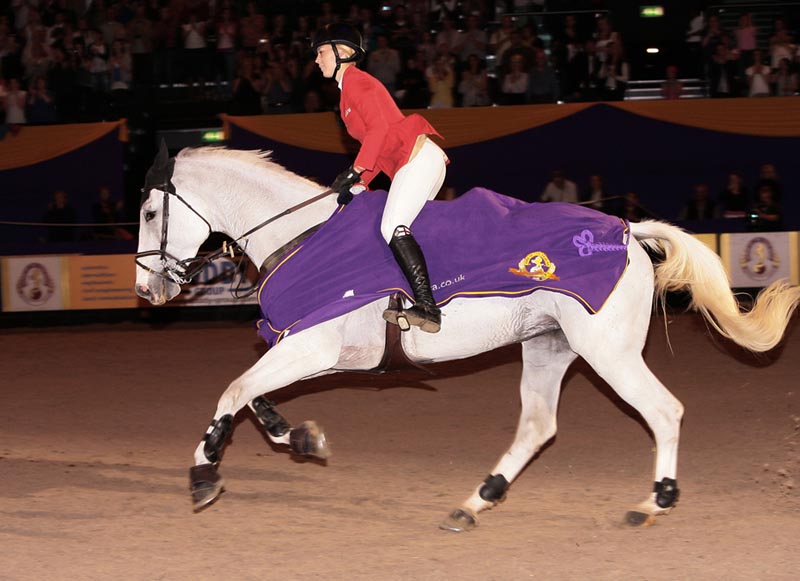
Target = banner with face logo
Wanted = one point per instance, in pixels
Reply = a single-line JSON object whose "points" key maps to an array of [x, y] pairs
{"points": [[757, 259], [34, 283]]}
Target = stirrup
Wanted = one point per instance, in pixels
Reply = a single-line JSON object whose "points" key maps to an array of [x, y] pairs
{"points": [[426, 318]]}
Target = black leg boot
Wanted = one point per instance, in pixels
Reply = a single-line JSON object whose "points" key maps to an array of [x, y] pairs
{"points": [[424, 313]]}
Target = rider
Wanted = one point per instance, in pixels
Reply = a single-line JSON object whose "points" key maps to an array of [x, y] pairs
{"points": [[397, 145]]}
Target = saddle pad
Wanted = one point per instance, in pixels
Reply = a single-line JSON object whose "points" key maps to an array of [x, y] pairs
{"points": [[481, 244]]}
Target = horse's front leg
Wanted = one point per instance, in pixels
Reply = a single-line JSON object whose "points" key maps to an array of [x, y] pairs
{"points": [[298, 357], [307, 439]]}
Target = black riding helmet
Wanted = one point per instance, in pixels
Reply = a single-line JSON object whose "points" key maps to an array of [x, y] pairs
{"points": [[344, 34]]}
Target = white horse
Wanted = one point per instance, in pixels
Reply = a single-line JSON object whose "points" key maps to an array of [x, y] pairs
{"points": [[229, 191]]}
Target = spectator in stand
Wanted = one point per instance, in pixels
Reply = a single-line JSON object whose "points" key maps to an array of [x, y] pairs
{"points": [[62, 81], [472, 41], [530, 38], [441, 81], [279, 34], [559, 189], [165, 46], [514, 84], [784, 80], [426, 50], [412, 86], [59, 211], [542, 82], [14, 103], [227, 31], [632, 210], [604, 38], [253, 27], [694, 44], [595, 196], [672, 87], [474, 85], [141, 33], [312, 102], [758, 77], [41, 105], [766, 215], [722, 71], [193, 31], [746, 35], [700, 206], [714, 36], [36, 52], [401, 33], [734, 201], [517, 47], [97, 57], [384, 63], [247, 86], [587, 74], [449, 36], [614, 73], [278, 90], [566, 49], [768, 176], [104, 212], [500, 39], [781, 44]]}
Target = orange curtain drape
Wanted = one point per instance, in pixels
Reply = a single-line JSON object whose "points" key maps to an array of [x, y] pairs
{"points": [[770, 117], [323, 132], [767, 117], [39, 143]]}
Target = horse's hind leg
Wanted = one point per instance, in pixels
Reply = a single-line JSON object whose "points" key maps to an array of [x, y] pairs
{"points": [[629, 376], [545, 360]]}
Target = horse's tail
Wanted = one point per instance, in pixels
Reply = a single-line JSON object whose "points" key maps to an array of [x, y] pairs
{"points": [[690, 265]]}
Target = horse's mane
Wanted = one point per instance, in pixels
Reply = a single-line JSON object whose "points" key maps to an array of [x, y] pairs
{"points": [[258, 158]]}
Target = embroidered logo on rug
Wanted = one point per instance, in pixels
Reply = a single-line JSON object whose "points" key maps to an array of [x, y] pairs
{"points": [[759, 259], [586, 245], [536, 266]]}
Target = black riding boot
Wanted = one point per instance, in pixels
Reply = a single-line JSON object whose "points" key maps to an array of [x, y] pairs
{"points": [[424, 313]]}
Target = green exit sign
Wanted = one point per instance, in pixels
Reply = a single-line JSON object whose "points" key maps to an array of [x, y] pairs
{"points": [[213, 136], [654, 11]]}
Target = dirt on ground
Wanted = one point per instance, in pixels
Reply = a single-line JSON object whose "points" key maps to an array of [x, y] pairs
{"points": [[98, 424]]}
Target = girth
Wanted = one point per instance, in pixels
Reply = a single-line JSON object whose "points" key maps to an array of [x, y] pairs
{"points": [[394, 357]]}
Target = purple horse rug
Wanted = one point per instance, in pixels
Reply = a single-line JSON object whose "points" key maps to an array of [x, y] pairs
{"points": [[480, 245]]}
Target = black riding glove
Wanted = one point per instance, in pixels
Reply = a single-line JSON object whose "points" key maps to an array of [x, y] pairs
{"points": [[342, 184]]}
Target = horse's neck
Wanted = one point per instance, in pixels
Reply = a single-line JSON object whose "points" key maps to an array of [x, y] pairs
{"points": [[251, 206]]}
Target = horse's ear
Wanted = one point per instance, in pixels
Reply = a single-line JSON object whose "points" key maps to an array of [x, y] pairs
{"points": [[162, 157]]}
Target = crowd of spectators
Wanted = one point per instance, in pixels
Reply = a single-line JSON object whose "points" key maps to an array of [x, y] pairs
{"points": [[61, 61]]}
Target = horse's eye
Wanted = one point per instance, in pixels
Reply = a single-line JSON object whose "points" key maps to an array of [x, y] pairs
{"points": [[149, 215]]}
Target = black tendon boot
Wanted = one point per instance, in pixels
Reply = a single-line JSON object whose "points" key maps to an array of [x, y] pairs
{"points": [[424, 313]]}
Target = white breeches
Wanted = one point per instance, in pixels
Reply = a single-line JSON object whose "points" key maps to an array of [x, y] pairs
{"points": [[414, 184]]}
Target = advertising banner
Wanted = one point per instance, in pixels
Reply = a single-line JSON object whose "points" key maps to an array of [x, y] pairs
{"points": [[102, 282], [216, 285], [34, 283], [756, 259]]}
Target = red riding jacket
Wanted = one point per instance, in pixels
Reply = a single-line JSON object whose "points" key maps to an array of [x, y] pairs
{"points": [[372, 117]]}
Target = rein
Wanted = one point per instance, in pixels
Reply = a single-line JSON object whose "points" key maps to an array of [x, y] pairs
{"points": [[183, 271]]}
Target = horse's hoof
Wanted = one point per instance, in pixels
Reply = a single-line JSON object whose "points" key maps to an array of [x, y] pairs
{"points": [[308, 439], [459, 521], [637, 518], [205, 484]]}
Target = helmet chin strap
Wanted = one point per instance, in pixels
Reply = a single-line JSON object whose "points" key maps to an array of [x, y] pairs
{"points": [[340, 60]]}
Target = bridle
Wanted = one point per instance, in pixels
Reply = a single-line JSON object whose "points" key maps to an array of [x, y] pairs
{"points": [[183, 271]]}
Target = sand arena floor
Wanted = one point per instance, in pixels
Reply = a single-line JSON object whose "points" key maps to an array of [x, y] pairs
{"points": [[98, 424]]}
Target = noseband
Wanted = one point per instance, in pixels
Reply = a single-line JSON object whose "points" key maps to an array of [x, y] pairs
{"points": [[183, 271]]}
